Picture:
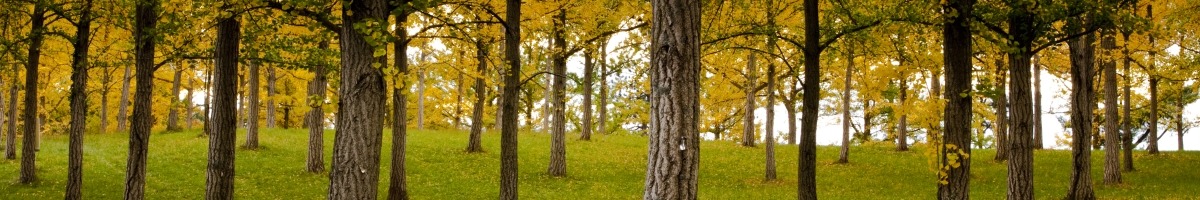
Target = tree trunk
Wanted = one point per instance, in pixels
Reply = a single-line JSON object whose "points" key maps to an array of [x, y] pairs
{"points": [[221, 141], [139, 134], [1127, 138], [508, 125], [398, 181], [420, 99], [1152, 144], [315, 161], [602, 107], [173, 109], [1001, 105], [1082, 104], [956, 40], [1037, 104], [459, 101], [10, 146], [123, 108], [770, 125], [474, 143], [751, 95], [902, 138], [589, 68], [1020, 153], [187, 102], [208, 103], [79, 107], [807, 171], [558, 148], [1112, 134], [1179, 120], [270, 112], [356, 148], [252, 99], [844, 156], [28, 154], [674, 105]]}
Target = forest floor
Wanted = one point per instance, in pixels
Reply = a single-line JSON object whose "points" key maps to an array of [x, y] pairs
{"points": [[608, 167]]}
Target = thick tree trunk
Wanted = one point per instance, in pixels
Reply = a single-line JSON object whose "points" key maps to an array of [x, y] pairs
{"points": [[558, 147], [751, 95], [844, 155], [1037, 104], [1152, 144], [79, 107], [139, 134], [589, 71], [1127, 138], [956, 41], [270, 112], [315, 161], [1112, 134], [173, 109], [1001, 105], [807, 171], [770, 125], [674, 151], [1082, 104], [123, 108], [397, 179], [1020, 135], [252, 106], [28, 145], [474, 144], [356, 148], [221, 141], [508, 125]]}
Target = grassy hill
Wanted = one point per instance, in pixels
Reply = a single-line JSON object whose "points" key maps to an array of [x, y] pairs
{"points": [[609, 167]]}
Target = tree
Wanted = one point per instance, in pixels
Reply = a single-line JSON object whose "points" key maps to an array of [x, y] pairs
{"points": [[146, 19], [356, 148], [28, 145], [315, 161], [1082, 103], [474, 143], [173, 111], [512, 85], [79, 77], [558, 147], [1112, 134], [221, 141], [956, 143], [252, 105], [751, 95], [398, 181], [843, 157], [1152, 143], [675, 67]]}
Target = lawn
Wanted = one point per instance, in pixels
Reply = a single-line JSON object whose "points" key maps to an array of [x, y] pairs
{"points": [[609, 167]]}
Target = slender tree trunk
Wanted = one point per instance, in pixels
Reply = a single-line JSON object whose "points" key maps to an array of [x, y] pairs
{"points": [[770, 125], [902, 138], [844, 156], [79, 107], [459, 102], [187, 102], [1152, 144], [355, 171], [173, 109], [398, 181], [146, 19], [1127, 138], [474, 143], [315, 161], [10, 146], [751, 96], [558, 148], [508, 125], [790, 108], [1037, 104], [1001, 105], [270, 112], [807, 171], [252, 106], [589, 71], [123, 108], [956, 41], [1112, 134], [1179, 121], [1082, 104], [602, 107], [208, 103], [420, 99], [674, 151], [220, 174], [28, 145]]}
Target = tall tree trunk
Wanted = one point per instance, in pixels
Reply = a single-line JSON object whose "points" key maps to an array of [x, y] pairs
{"points": [[208, 103], [173, 109], [270, 112], [751, 95], [398, 181], [28, 145], [807, 171], [1179, 120], [10, 146], [844, 156], [187, 102], [474, 143], [1127, 138], [79, 107], [508, 125], [223, 124], [1020, 153], [674, 104], [1001, 105], [902, 137], [1112, 134], [956, 40], [933, 135], [123, 108], [315, 161], [589, 71], [458, 83], [558, 148], [1152, 144], [356, 148], [146, 19], [420, 99], [770, 125], [1037, 103], [602, 107], [1082, 104], [252, 99]]}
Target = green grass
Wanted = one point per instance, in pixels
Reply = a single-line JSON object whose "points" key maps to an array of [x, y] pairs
{"points": [[609, 167]]}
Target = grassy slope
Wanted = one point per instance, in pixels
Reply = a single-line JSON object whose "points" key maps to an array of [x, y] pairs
{"points": [[610, 167]]}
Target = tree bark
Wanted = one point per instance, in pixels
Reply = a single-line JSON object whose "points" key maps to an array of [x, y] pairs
{"points": [[844, 156], [770, 125], [420, 98], [173, 109], [221, 156], [956, 41], [28, 145], [751, 95], [1020, 153], [398, 181], [674, 151], [10, 146], [146, 19], [474, 143], [270, 110], [1082, 104], [356, 148], [1127, 138], [252, 99], [508, 126], [458, 83], [315, 161], [1001, 105], [1037, 104], [589, 68], [558, 148], [79, 107], [1112, 134], [902, 137], [1152, 144], [123, 108], [807, 161], [602, 107]]}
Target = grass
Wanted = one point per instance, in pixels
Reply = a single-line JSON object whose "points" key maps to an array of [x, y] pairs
{"points": [[609, 167]]}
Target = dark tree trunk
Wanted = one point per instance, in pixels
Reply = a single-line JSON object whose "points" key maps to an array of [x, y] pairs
{"points": [[956, 41], [751, 95], [139, 134], [1127, 138], [602, 107], [458, 83], [844, 155], [79, 107], [674, 151], [356, 148], [398, 181], [221, 141], [1152, 144], [173, 109], [1112, 134], [770, 125], [1020, 134], [902, 137], [123, 108], [508, 126], [558, 147], [589, 68], [1037, 104], [28, 145], [10, 146], [1001, 105], [1082, 104], [270, 110], [208, 103], [1179, 121], [474, 143], [807, 168], [252, 106], [315, 161]]}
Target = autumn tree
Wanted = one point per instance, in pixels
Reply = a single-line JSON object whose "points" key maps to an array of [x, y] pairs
{"points": [[955, 162], [512, 84], [220, 174], [79, 77]]}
